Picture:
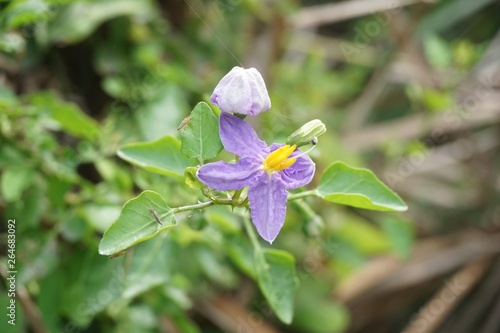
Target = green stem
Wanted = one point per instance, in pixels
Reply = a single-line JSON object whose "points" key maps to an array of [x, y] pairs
{"points": [[296, 196], [236, 195], [230, 202], [251, 234], [201, 205]]}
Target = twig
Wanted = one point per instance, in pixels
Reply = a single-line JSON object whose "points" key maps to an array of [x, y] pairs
{"points": [[451, 154], [231, 316], [302, 42], [487, 67], [359, 110], [479, 303], [468, 247], [493, 323], [30, 308], [334, 12], [425, 189], [418, 125], [431, 258], [448, 297]]}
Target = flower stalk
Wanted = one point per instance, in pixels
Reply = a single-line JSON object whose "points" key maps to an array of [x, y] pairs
{"points": [[301, 195]]}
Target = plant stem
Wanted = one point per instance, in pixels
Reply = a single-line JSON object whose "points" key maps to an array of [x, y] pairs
{"points": [[234, 202], [236, 195], [252, 235], [301, 195], [201, 205]]}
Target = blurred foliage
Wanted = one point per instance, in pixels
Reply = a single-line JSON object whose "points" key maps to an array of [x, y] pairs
{"points": [[80, 79]]}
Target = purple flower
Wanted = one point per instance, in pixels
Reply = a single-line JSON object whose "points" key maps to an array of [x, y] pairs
{"points": [[242, 91], [268, 172]]}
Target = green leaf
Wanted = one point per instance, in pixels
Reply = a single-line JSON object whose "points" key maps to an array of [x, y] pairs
{"points": [[316, 311], [136, 223], [449, 13], [24, 12], [436, 100], [277, 280], [200, 134], [30, 207], [96, 282], [14, 181], [43, 253], [322, 316], [364, 237], [239, 251], [357, 187], [11, 42], [400, 233], [150, 266], [224, 218], [162, 112], [50, 292], [69, 116], [214, 267], [78, 20], [100, 217], [437, 51], [161, 156]]}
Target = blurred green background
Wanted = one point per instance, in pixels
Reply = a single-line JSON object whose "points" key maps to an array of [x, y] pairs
{"points": [[410, 89]]}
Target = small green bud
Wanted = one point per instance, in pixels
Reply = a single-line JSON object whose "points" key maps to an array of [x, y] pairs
{"points": [[307, 134], [190, 178]]}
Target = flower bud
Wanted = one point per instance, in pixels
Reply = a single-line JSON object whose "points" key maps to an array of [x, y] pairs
{"points": [[242, 91], [307, 134], [190, 178]]}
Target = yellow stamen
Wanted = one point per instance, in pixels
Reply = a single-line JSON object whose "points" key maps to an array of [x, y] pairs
{"points": [[278, 160]]}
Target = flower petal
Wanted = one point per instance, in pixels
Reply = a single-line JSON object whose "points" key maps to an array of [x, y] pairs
{"points": [[224, 176], [260, 97], [298, 174], [239, 138], [233, 93], [268, 206]]}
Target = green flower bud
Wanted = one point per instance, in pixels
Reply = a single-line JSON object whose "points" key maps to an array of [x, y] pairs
{"points": [[307, 134], [190, 178]]}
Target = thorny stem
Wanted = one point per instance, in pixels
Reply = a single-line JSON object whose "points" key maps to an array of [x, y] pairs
{"points": [[202, 205], [234, 201], [237, 194], [220, 201], [230, 202]]}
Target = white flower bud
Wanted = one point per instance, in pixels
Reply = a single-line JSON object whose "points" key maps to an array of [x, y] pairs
{"points": [[242, 91]]}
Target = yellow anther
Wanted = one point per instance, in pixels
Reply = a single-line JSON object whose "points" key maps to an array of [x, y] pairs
{"points": [[278, 159]]}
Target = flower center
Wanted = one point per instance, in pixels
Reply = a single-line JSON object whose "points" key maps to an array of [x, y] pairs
{"points": [[278, 160]]}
